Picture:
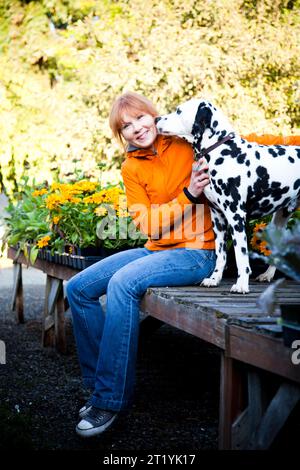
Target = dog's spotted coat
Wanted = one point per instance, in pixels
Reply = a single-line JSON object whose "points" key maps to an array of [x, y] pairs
{"points": [[247, 181]]}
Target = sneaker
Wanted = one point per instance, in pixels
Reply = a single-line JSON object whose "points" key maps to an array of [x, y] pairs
{"points": [[95, 422], [83, 411]]}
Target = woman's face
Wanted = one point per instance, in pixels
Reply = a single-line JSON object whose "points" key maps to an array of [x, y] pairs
{"points": [[139, 130]]}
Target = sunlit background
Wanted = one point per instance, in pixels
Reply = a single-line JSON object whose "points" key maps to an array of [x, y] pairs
{"points": [[62, 62]]}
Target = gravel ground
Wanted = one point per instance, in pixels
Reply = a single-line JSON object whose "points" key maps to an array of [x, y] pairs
{"points": [[176, 399]]}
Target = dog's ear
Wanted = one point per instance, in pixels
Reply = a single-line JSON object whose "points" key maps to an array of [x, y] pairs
{"points": [[202, 120]]}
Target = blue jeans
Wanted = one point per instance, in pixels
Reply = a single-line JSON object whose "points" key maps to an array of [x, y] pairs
{"points": [[107, 342]]}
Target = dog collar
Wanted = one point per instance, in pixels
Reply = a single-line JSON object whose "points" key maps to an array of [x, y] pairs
{"points": [[204, 152]]}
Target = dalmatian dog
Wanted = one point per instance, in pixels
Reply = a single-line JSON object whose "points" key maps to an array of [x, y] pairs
{"points": [[247, 181]]}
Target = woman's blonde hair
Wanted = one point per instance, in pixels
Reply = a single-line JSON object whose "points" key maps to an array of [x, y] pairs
{"points": [[131, 103]]}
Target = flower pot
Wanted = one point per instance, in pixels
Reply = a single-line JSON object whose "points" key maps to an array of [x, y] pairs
{"points": [[79, 262], [89, 251], [69, 249], [41, 253], [290, 316], [111, 251]]}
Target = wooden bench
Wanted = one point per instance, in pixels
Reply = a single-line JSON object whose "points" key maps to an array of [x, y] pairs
{"points": [[251, 347]]}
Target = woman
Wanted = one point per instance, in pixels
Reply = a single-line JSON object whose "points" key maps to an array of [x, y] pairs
{"points": [[165, 199]]}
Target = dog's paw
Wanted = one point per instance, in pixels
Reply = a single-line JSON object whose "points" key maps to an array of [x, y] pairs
{"points": [[267, 276], [240, 288], [210, 282]]}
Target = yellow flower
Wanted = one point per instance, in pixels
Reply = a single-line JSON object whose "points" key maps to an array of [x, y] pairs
{"points": [[55, 186], [263, 248], [95, 198], [85, 186], [100, 211], [56, 219], [39, 192], [256, 242], [259, 227], [54, 200], [43, 241], [122, 213], [75, 200]]}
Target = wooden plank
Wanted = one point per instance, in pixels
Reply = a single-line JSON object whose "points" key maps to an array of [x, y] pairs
{"points": [[17, 303], [54, 292], [274, 330], [291, 295], [59, 315], [55, 270], [224, 303], [49, 322], [250, 322], [263, 351], [276, 415], [231, 400], [240, 431], [255, 401], [200, 320], [255, 287]]}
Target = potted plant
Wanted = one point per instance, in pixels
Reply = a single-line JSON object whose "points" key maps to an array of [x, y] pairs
{"points": [[284, 247], [26, 224], [67, 221]]}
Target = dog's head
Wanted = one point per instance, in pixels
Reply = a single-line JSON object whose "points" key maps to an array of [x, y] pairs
{"points": [[189, 121], [194, 120]]}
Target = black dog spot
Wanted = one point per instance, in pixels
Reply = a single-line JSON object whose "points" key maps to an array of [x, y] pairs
{"points": [[241, 158], [230, 189], [281, 150], [202, 120], [297, 184], [225, 152], [273, 153], [240, 225]]}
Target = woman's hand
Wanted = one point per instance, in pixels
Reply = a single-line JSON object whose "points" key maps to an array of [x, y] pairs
{"points": [[199, 179]]}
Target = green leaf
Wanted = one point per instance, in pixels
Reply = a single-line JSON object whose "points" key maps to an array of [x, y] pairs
{"points": [[33, 254]]}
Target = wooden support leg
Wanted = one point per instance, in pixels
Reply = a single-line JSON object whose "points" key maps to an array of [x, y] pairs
{"points": [[248, 421], [276, 415], [231, 399], [255, 401], [17, 303], [53, 327], [258, 425], [60, 334]]}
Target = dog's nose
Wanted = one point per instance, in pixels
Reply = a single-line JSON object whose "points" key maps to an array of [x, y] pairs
{"points": [[157, 119]]}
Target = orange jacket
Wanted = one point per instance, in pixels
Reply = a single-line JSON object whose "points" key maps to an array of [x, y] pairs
{"points": [[269, 139], [154, 179]]}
